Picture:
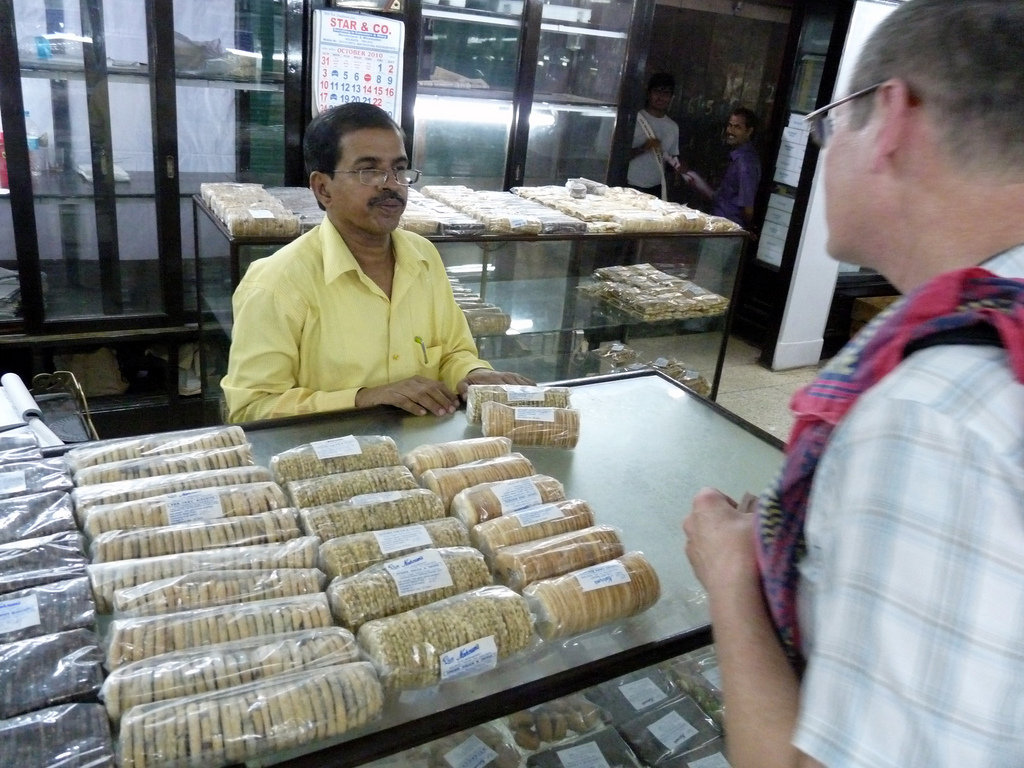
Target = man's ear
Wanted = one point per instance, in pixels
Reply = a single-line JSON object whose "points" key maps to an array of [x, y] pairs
{"points": [[896, 111], [319, 183]]}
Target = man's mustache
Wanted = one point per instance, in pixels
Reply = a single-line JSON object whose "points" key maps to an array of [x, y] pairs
{"points": [[386, 194]]}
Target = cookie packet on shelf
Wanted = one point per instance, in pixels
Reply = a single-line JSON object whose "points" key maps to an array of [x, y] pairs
{"points": [[511, 394], [455, 452], [698, 675], [484, 746], [555, 721], [332, 456], [675, 727], [48, 670], [169, 464], [555, 427], [531, 524], [342, 486], [183, 441], [448, 481], [631, 695], [68, 736], [519, 565], [370, 512], [46, 609], [30, 562], [605, 747], [34, 515], [18, 478], [485, 501]]}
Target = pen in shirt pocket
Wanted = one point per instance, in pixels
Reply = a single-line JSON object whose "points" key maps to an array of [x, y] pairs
{"points": [[419, 340]]}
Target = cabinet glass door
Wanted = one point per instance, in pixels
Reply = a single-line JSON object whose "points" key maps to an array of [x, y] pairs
{"points": [[463, 111]]}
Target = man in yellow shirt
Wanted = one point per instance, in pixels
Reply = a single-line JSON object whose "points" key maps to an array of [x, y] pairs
{"points": [[354, 313]]}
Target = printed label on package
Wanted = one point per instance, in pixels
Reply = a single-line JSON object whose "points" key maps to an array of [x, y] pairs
{"points": [[642, 693], [661, 362], [191, 506], [260, 213], [517, 394], [716, 760], [601, 576], [13, 482], [470, 659], [713, 676], [419, 572], [538, 515], [336, 446], [514, 495], [535, 414], [584, 756], [406, 537], [518, 222], [672, 730], [472, 753], [376, 498], [19, 614]]}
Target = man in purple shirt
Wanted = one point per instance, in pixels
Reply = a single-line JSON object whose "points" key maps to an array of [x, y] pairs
{"points": [[734, 199]]}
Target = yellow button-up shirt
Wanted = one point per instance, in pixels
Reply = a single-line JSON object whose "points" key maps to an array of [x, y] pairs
{"points": [[311, 329]]}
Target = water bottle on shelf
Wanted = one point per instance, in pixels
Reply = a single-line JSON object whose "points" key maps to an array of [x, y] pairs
{"points": [[35, 148]]}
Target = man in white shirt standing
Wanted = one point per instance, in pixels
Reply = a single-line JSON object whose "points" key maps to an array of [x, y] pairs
{"points": [[655, 139]]}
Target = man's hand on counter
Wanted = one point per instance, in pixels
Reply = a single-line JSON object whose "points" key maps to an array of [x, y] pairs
{"points": [[487, 376], [418, 395]]}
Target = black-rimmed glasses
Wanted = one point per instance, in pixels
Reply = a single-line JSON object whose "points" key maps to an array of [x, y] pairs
{"points": [[819, 122], [376, 177]]}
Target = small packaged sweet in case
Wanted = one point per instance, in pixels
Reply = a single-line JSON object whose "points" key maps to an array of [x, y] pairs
{"points": [[29, 562], [675, 727], [20, 477], [554, 721], [631, 695], [47, 670], [66, 736], [46, 609], [35, 514], [18, 446], [605, 747], [484, 746]]}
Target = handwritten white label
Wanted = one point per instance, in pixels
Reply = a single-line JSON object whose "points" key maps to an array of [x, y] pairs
{"points": [[584, 756], [472, 753], [376, 498], [642, 693], [538, 515], [517, 221], [535, 414], [406, 537], [470, 659], [192, 506], [19, 614], [514, 495], [672, 730], [260, 213], [13, 482], [524, 394], [419, 572], [337, 446], [716, 760], [661, 362], [714, 676], [602, 575]]}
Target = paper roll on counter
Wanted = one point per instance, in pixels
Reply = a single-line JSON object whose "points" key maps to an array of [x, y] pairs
{"points": [[24, 404], [44, 435]]}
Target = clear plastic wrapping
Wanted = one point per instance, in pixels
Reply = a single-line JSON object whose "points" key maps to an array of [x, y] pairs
{"points": [[122, 574], [347, 555], [371, 512], [488, 320], [554, 721], [266, 528], [442, 455], [20, 477], [67, 736], [523, 564], [404, 583], [90, 496], [698, 676], [605, 747], [459, 635], [35, 514], [185, 441], [48, 670], [30, 562], [530, 524], [46, 609], [556, 427], [510, 394], [675, 727], [18, 447], [217, 667], [343, 486], [631, 695], [449, 481], [328, 457], [484, 746], [211, 589], [485, 501], [129, 640], [208, 503], [710, 755], [244, 722], [170, 464], [248, 210], [588, 598]]}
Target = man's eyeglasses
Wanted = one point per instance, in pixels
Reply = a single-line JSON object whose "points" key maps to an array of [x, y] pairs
{"points": [[819, 122], [375, 177]]}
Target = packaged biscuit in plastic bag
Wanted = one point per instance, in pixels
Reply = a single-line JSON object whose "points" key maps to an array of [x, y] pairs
{"points": [[266, 528], [480, 503], [339, 454], [485, 746], [406, 582], [350, 554], [184, 441], [555, 721], [47, 670], [604, 747], [18, 446], [452, 638], [446, 482], [216, 667], [556, 427], [588, 598], [121, 574], [67, 736], [675, 727], [29, 562], [631, 695], [170, 464], [46, 609], [510, 394], [698, 676], [129, 640], [343, 486], [20, 477], [35, 514], [188, 506], [531, 524], [442, 455], [209, 589], [519, 565], [371, 512], [242, 723]]}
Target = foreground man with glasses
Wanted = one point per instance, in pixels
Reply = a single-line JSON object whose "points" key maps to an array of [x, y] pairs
{"points": [[868, 610], [354, 313]]}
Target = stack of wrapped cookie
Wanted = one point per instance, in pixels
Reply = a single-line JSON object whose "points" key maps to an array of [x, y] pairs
{"points": [[504, 213], [248, 210], [50, 657], [653, 295], [426, 216], [525, 415], [484, 318]]}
